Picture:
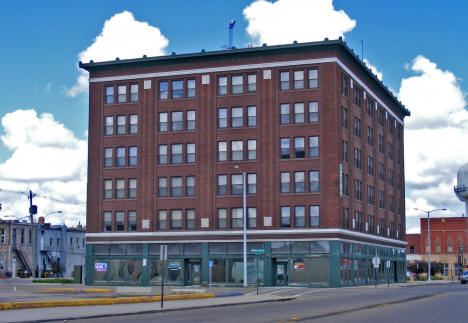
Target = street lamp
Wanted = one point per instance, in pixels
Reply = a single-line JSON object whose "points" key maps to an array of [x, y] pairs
{"points": [[244, 207], [429, 241]]}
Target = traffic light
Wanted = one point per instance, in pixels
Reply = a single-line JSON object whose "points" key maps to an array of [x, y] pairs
{"points": [[33, 209]]}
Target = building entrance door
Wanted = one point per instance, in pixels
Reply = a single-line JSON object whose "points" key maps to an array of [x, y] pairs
{"points": [[193, 272], [281, 273]]}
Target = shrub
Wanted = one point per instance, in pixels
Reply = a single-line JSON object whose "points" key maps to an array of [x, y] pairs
{"points": [[54, 281]]}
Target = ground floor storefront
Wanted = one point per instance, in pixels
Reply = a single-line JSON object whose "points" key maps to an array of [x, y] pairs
{"points": [[314, 263]]}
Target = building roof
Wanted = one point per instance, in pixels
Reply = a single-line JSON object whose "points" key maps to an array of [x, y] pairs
{"points": [[126, 63]]}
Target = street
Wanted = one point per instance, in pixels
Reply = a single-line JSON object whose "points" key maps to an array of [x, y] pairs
{"points": [[433, 303]]}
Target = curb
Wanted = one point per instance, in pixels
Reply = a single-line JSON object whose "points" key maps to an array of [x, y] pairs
{"points": [[100, 301], [77, 290]]}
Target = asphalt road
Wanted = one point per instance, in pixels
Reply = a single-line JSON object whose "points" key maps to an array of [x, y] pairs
{"points": [[432, 303]]}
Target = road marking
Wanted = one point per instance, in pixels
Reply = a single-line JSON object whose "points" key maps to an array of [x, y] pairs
{"points": [[309, 292]]}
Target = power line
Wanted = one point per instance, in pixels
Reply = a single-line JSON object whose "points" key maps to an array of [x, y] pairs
{"points": [[42, 196]]}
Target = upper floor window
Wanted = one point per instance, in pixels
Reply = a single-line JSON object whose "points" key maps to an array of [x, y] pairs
{"points": [[176, 186], [107, 221], [314, 215], [222, 185], [121, 125], [313, 112], [285, 216], [191, 88], [132, 156], [252, 116], [284, 81], [285, 182], [190, 186], [176, 154], [237, 150], [314, 185], [162, 186], [344, 118], [132, 188], [132, 221], [190, 219], [222, 85], [381, 116], [313, 146], [313, 79], [344, 85], [162, 156], [222, 151], [284, 113], [357, 96], [370, 107], [108, 152], [176, 219], [237, 84], [163, 90], [252, 149], [133, 124], [190, 153], [299, 147], [133, 92], [236, 184], [109, 94], [176, 121], [119, 188], [252, 83], [251, 183], [191, 120], [299, 113], [162, 122], [357, 127], [107, 191], [298, 80], [122, 93], [237, 117], [120, 157], [222, 118], [177, 89], [284, 148], [109, 126]]}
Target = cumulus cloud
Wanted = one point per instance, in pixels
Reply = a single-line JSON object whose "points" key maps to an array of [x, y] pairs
{"points": [[373, 69], [49, 160], [122, 36], [436, 137], [284, 21]]}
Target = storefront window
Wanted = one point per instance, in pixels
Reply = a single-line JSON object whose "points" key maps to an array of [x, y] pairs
{"points": [[174, 249], [118, 249], [133, 270], [101, 250], [299, 247], [155, 270], [134, 249], [319, 247], [192, 248], [217, 248], [174, 270], [280, 247]]}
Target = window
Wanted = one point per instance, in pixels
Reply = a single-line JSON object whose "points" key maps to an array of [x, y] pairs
{"points": [[109, 94], [391, 203], [163, 90], [381, 144], [190, 153], [107, 225], [119, 188], [190, 88], [382, 199], [122, 93], [299, 149], [313, 112], [121, 120], [344, 118], [22, 237], [107, 189], [314, 184], [381, 116], [252, 116], [176, 154], [390, 151], [133, 92], [222, 85], [162, 157], [120, 157], [381, 172], [358, 217], [109, 126], [132, 188], [176, 121], [132, 156], [284, 81], [222, 118], [176, 219], [190, 219], [252, 149], [370, 165], [390, 125], [313, 146], [190, 186], [222, 185], [237, 84], [357, 127], [370, 107], [381, 227], [222, 219], [298, 112], [252, 217], [391, 176], [108, 157], [236, 184], [237, 117], [285, 216], [345, 218], [190, 120], [346, 184], [411, 249], [357, 158], [298, 80], [370, 136], [345, 151], [162, 122], [344, 85], [314, 213], [237, 150], [285, 186], [162, 186], [30, 237], [177, 89], [119, 221], [222, 150], [313, 79], [133, 124], [132, 221], [284, 148], [358, 189], [162, 217], [299, 216], [371, 224], [252, 83], [299, 186], [370, 194], [51, 240], [251, 183], [284, 113], [176, 186], [357, 96], [237, 218]]}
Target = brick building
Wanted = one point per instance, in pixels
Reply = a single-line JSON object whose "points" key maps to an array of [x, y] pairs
{"points": [[449, 244], [319, 136]]}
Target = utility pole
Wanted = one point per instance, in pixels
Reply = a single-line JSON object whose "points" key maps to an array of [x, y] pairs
{"points": [[32, 207]]}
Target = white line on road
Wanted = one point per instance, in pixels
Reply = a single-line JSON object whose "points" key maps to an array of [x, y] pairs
{"points": [[309, 292]]}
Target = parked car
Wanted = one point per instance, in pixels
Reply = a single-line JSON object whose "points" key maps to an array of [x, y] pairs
{"points": [[464, 277]]}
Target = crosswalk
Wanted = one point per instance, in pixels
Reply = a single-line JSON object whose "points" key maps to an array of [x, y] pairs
{"points": [[287, 291]]}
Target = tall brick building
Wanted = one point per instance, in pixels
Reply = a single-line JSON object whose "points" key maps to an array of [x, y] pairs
{"points": [[319, 136]]}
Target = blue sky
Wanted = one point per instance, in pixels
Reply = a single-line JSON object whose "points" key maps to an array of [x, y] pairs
{"points": [[41, 41]]}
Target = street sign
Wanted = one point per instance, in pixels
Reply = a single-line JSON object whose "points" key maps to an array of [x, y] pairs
{"points": [[163, 252], [257, 250], [210, 263], [376, 262]]}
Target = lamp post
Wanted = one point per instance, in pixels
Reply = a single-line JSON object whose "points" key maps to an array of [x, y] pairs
{"points": [[429, 240], [244, 209]]}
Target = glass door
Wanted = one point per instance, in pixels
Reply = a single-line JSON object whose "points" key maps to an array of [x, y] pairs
{"points": [[281, 274]]}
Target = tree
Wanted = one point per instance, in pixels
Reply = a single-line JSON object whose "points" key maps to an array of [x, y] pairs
{"points": [[57, 268]]}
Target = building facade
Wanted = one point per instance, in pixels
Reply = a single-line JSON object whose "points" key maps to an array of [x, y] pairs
{"points": [[318, 136], [449, 244]]}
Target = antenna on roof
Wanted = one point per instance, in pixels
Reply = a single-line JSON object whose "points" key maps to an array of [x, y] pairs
{"points": [[231, 32], [362, 50]]}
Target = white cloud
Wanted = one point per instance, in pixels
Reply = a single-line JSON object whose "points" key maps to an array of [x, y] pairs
{"points": [[284, 21], [436, 137], [373, 69], [49, 160], [124, 37]]}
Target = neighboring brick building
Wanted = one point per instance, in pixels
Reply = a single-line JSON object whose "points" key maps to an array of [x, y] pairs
{"points": [[449, 240], [319, 136]]}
